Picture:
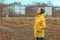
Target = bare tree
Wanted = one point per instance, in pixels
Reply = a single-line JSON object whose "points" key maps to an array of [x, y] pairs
{"points": [[1, 10]]}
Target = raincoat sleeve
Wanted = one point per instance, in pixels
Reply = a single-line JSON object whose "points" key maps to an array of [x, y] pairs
{"points": [[42, 24]]}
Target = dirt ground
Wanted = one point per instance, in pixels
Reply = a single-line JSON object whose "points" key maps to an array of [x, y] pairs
{"points": [[4, 35], [24, 28]]}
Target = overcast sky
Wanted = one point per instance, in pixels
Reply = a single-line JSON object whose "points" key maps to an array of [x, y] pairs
{"points": [[55, 2]]}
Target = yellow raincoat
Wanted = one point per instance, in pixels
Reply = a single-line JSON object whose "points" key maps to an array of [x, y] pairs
{"points": [[39, 26]]}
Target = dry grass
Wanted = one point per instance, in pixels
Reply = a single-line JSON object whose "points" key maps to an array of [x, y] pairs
{"points": [[25, 24], [4, 35]]}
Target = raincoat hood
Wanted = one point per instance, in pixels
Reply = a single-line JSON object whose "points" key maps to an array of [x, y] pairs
{"points": [[42, 15]]}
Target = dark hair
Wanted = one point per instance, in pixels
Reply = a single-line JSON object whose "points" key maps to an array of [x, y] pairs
{"points": [[42, 10]]}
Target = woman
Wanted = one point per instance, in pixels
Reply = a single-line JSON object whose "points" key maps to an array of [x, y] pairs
{"points": [[40, 25]]}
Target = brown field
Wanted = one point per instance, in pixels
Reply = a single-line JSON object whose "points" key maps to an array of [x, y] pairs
{"points": [[22, 28], [4, 35]]}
